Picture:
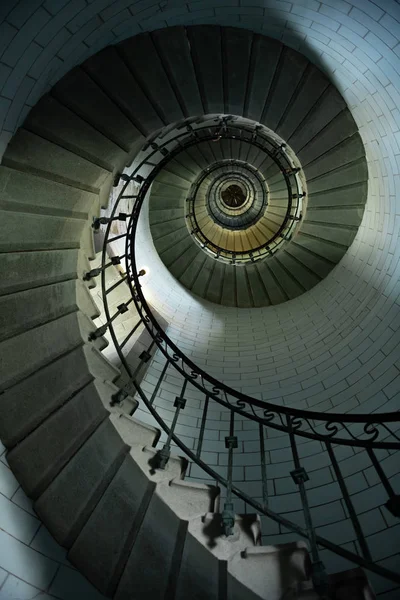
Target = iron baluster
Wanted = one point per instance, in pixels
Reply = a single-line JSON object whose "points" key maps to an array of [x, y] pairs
{"points": [[155, 391], [393, 504], [115, 238], [130, 334], [202, 427], [114, 260], [263, 466], [144, 358], [299, 475], [228, 514], [164, 454], [353, 515], [123, 278], [100, 331], [105, 220], [115, 285]]}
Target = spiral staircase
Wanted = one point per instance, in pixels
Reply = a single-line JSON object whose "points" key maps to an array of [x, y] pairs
{"points": [[109, 486]]}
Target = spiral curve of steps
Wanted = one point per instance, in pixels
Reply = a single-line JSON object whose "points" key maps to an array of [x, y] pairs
{"points": [[297, 102], [85, 469]]}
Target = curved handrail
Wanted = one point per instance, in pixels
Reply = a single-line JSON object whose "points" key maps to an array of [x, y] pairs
{"points": [[288, 420], [265, 248], [209, 384]]}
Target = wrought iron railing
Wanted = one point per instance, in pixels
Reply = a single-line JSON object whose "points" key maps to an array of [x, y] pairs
{"points": [[332, 431]]}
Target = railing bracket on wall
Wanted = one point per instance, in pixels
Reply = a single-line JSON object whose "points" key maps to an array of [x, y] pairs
{"points": [[299, 475]]}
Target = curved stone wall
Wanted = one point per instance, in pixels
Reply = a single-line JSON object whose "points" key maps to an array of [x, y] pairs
{"points": [[338, 345]]}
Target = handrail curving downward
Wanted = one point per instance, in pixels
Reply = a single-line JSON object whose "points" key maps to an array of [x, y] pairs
{"points": [[377, 431]]}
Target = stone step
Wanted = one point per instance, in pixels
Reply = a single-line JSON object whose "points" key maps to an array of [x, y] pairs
{"points": [[338, 198], [199, 572], [39, 457], [237, 591], [257, 288], [291, 68], [28, 403], [335, 232], [189, 499], [305, 276], [243, 290], [185, 263], [235, 64], [25, 231], [106, 390], [152, 76], [31, 308], [166, 176], [102, 547], [206, 47], [286, 281], [330, 251], [276, 292], [318, 265], [27, 352], [154, 555], [45, 196], [352, 584], [168, 194], [34, 154], [189, 276], [160, 215], [201, 283], [184, 167], [84, 97], [146, 458], [99, 366], [336, 131], [215, 285], [345, 175], [53, 121], [110, 71], [171, 43], [228, 297], [133, 431], [183, 160], [163, 233], [312, 86], [198, 157], [26, 270], [68, 502], [175, 252], [329, 106], [347, 151], [272, 571]]}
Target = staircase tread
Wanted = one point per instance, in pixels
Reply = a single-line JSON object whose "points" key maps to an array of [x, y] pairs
{"points": [[72, 496]]}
